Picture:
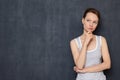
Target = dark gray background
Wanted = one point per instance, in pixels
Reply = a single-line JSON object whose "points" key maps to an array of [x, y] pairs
{"points": [[35, 36]]}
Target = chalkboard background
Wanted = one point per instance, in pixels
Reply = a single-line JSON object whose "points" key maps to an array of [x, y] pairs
{"points": [[35, 36]]}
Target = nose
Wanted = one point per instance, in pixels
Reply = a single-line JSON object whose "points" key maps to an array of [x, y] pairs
{"points": [[91, 24]]}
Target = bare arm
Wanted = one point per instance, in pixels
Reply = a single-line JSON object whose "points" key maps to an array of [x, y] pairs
{"points": [[106, 64], [79, 56]]}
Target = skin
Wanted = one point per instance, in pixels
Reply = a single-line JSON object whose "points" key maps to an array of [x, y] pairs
{"points": [[88, 40]]}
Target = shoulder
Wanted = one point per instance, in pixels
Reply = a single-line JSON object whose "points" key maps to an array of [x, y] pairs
{"points": [[73, 40], [103, 40], [102, 37]]}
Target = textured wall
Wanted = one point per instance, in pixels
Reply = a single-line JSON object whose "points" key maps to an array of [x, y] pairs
{"points": [[35, 36]]}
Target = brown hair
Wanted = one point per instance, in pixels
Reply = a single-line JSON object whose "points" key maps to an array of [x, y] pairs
{"points": [[92, 10]]}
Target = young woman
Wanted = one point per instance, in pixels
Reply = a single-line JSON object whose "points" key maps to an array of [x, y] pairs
{"points": [[90, 52]]}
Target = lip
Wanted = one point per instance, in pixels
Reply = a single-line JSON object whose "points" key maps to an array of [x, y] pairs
{"points": [[90, 28]]}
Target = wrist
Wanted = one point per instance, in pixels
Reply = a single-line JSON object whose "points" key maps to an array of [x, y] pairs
{"points": [[85, 45]]}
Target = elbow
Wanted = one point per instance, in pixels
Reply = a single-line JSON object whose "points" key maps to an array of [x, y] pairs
{"points": [[80, 67], [108, 66]]}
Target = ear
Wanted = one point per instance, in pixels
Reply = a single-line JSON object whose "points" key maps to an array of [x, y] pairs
{"points": [[83, 20]]}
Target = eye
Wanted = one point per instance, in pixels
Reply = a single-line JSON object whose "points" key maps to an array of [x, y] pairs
{"points": [[88, 20], [95, 22]]}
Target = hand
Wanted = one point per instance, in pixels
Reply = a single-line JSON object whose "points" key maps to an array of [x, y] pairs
{"points": [[81, 71], [88, 38], [76, 69]]}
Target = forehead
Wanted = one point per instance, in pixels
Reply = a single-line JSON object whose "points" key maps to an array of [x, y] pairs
{"points": [[91, 15]]}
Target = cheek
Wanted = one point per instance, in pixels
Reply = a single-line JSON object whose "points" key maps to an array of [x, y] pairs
{"points": [[87, 25], [95, 27]]}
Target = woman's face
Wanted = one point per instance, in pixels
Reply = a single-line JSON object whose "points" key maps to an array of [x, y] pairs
{"points": [[90, 22]]}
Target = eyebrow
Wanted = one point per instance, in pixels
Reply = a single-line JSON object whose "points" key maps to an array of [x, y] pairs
{"points": [[90, 19]]}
